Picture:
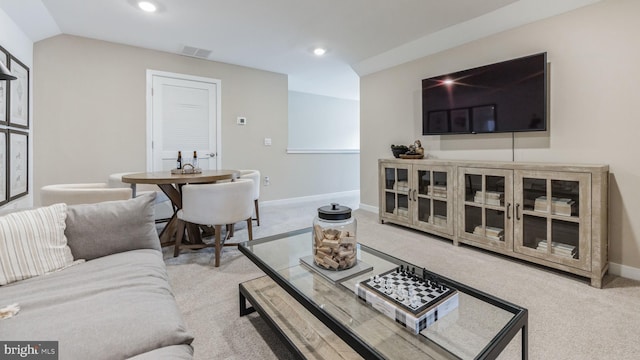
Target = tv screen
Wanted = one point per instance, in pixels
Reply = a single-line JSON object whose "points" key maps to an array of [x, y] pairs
{"points": [[509, 96]]}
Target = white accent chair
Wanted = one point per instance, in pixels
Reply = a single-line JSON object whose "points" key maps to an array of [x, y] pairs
{"points": [[115, 181], [215, 205], [255, 176], [86, 193], [163, 208]]}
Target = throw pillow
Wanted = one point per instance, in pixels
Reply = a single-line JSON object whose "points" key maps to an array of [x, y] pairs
{"points": [[101, 229], [33, 243]]}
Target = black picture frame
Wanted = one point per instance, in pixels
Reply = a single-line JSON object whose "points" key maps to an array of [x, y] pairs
{"points": [[459, 120], [18, 104], [438, 122], [4, 90], [4, 173], [18, 164]]}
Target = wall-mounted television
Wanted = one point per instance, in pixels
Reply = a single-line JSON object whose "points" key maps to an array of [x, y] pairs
{"points": [[509, 96]]}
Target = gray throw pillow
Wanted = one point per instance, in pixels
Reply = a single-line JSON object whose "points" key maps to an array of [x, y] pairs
{"points": [[101, 229]]}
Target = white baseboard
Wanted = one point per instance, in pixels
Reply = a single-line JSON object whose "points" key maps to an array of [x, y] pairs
{"points": [[624, 271], [369, 208], [290, 201]]}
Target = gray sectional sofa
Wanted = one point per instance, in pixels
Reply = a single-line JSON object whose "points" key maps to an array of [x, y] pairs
{"points": [[118, 304]]}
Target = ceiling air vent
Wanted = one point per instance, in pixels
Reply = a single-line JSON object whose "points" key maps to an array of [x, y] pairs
{"points": [[196, 52]]}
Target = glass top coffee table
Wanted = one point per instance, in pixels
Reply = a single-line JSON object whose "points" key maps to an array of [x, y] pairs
{"points": [[480, 327]]}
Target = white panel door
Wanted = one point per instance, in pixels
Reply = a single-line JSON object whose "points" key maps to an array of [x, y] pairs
{"points": [[184, 118]]}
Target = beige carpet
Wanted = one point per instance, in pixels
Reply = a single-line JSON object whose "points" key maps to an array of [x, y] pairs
{"points": [[568, 319]]}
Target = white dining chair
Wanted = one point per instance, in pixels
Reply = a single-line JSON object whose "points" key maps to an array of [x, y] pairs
{"points": [[255, 176], [215, 205], [81, 193]]}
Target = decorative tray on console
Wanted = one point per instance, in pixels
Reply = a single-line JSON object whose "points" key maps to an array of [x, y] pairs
{"points": [[414, 156], [413, 301]]}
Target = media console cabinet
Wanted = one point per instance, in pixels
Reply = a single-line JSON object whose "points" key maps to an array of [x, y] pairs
{"points": [[549, 214]]}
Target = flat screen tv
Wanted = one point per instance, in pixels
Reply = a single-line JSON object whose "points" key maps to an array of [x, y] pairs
{"points": [[509, 96]]}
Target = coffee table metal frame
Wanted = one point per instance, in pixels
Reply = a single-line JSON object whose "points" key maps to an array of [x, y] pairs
{"points": [[518, 323]]}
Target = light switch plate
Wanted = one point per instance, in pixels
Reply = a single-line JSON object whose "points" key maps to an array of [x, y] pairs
{"points": [[267, 141], [242, 120]]}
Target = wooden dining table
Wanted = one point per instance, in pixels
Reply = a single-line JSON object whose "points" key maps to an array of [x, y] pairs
{"points": [[171, 185]]}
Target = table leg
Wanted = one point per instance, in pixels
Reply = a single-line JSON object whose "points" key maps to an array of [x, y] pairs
{"points": [[195, 236], [525, 343], [244, 310], [173, 194], [167, 236]]}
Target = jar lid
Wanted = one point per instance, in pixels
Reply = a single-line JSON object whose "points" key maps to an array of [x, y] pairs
{"points": [[334, 211]]}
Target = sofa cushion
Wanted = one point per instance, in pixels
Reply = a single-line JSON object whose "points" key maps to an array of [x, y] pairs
{"points": [[33, 243], [174, 352], [113, 307], [95, 230]]}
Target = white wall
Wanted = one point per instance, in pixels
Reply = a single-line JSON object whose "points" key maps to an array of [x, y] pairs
{"points": [[90, 102], [15, 41], [594, 72], [323, 123]]}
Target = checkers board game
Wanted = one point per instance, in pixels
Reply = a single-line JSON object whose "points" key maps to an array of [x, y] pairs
{"points": [[413, 301]]}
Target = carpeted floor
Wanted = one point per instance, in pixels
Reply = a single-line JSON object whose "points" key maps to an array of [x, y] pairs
{"points": [[568, 319], [208, 296]]}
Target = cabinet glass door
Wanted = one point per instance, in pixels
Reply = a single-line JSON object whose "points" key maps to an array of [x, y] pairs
{"points": [[395, 196], [551, 210], [434, 197], [487, 195]]}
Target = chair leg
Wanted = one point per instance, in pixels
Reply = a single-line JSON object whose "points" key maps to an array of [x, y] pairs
{"points": [[250, 228], [179, 235], [218, 245], [255, 203], [228, 235]]}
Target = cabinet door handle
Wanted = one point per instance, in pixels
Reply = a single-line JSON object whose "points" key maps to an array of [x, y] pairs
{"points": [[509, 211], [517, 211], [415, 198]]}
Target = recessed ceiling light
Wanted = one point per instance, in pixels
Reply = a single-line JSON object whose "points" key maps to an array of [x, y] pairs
{"points": [[147, 6], [319, 51]]}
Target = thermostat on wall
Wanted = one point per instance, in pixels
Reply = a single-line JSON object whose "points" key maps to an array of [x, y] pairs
{"points": [[242, 120]]}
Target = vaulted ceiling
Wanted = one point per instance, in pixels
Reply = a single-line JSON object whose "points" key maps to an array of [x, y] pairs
{"points": [[361, 36]]}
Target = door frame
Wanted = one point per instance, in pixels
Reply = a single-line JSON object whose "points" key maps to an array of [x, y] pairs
{"points": [[149, 101]]}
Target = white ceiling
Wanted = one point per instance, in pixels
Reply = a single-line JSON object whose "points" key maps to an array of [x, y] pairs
{"points": [[362, 36]]}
